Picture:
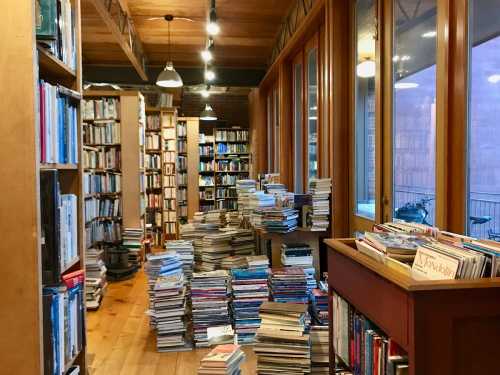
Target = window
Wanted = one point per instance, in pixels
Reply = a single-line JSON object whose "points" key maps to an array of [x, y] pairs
{"points": [[483, 199], [312, 113], [298, 131], [364, 136], [414, 104]]}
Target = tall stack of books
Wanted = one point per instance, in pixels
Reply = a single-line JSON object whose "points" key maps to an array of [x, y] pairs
{"points": [[215, 248], [299, 255], [282, 346], [289, 284], [209, 296], [274, 188], [249, 290], [185, 251], [257, 262], [167, 294], [319, 306], [320, 189], [216, 217], [320, 349], [95, 278], [222, 360], [233, 219], [132, 240], [243, 242], [233, 262], [260, 199], [280, 220], [244, 188]]}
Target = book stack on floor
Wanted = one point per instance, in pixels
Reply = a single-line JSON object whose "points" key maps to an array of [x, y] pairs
{"points": [[300, 255], [320, 349], [209, 297], [257, 262], [282, 346], [233, 219], [216, 217], [167, 294], [222, 360], [215, 248], [95, 278], [374, 353], [320, 189], [280, 220], [243, 242], [185, 251], [249, 290], [319, 307], [132, 240], [289, 284], [232, 262]]}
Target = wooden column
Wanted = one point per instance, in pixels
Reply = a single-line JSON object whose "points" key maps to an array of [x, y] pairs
{"points": [[286, 125], [258, 132]]}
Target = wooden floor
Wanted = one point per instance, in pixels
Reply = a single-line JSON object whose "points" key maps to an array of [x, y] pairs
{"points": [[121, 342]]}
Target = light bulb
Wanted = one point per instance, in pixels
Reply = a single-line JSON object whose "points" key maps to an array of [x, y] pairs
{"points": [[206, 55], [366, 69], [205, 93], [209, 75], [213, 28]]}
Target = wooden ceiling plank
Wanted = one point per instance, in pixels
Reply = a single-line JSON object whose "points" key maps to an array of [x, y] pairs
{"points": [[136, 61]]}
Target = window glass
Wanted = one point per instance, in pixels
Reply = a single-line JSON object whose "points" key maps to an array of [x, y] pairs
{"points": [[484, 125], [414, 117], [312, 113], [365, 109], [297, 124]]}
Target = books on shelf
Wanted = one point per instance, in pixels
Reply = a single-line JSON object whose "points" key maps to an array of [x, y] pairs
{"points": [[153, 122], [104, 108], [59, 227], [222, 360], [103, 158], [282, 346], [106, 132], [101, 183], [58, 125], [209, 295], [232, 148], [153, 142], [231, 135]]}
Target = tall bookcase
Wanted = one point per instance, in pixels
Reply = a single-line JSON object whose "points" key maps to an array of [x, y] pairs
{"points": [[182, 171], [169, 156], [206, 171], [21, 320]]}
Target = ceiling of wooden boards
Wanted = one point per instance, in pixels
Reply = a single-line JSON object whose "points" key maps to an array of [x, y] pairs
{"points": [[248, 32]]}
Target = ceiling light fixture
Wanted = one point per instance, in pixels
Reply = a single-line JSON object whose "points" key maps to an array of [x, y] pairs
{"points": [[206, 55], [405, 85], [209, 74], [208, 114], [429, 34], [212, 25], [168, 77], [366, 69]]}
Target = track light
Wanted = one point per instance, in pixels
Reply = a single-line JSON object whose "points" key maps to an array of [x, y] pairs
{"points": [[212, 25], [209, 75], [205, 92], [206, 55]]}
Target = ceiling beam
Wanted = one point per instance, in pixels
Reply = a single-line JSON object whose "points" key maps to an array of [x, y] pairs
{"points": [[121, 27]]}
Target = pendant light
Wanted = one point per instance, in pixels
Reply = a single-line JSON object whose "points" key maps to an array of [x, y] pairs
{"points": [[208, 114], [168, 76]]}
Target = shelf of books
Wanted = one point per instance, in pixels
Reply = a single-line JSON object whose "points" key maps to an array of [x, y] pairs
{"points": [[231, 164], [206, 171], [102, 180], [142, 166], [153, 175], [42, 208], [169, 154], [182, 171]]}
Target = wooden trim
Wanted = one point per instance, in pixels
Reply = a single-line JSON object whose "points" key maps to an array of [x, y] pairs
{"points": [[323, 128], [285, 124], [298, 60], [193, 161]]}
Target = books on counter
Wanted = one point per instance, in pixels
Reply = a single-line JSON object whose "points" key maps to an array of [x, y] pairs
{"points": [[320, 190], [249, 290], [58, 125], [223, 359], [282, 346], [280, 220], [167, 293], [210, 297], [289, 284], [59, 227]]}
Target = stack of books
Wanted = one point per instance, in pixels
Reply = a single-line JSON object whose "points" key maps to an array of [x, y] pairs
{"points": [[95, 278], [257, 262], [249, 290], [235, 261], [280, 220], [243, 242], [282, 346], [216, 217], [167, 294], [244, 188], [233, 219], [320, 189], [260, 199], [274, 188], [319, 307], [289, 284], [132, 240], [223, 360], [185, 251], [320, 349], [300, 255], [215, 248], [209, 296]]}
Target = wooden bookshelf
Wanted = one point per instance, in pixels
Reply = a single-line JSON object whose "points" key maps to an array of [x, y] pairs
{"points": [[446, 327], [182, 170], [169, 174], [21, 319]]}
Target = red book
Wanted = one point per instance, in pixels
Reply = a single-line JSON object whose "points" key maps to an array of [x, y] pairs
{"points": [[72, 279], [376, 356]]}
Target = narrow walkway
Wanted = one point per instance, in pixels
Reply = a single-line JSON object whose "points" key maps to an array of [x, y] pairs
{"points": [[120, 341]]}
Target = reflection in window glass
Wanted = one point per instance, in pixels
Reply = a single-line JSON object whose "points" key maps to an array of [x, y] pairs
{"points": [[414, 119], [365, 109], [297, 123], [484, 125], [312, 113]]}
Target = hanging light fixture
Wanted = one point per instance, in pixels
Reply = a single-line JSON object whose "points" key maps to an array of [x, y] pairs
{"points": [[168, 77], [209, 74], [212, 25], [366, 69], [207, 54], [208, 114]]}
